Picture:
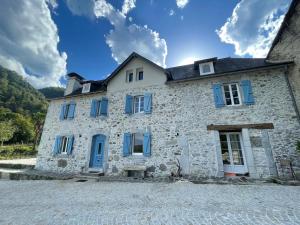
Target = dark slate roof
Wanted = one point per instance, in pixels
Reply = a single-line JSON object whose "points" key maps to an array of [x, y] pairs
{"points": [[96, 86], [221, 66], [284, 24], [75, 75]]}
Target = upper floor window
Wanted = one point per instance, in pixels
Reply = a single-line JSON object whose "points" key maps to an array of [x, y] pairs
{"points": [[99, 107], [206, 68], [139, 74], [129, 76], [138, 104], [67, 111], [231, 94], [86, 88]]}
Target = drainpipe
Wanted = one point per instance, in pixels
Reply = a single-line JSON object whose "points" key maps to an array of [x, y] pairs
{"points": [[291, 92]]}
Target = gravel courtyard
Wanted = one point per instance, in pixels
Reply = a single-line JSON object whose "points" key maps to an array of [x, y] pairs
{"points": [[69, 202]]}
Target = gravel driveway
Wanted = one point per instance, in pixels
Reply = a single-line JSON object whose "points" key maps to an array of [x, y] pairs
{"points": [[69, 202]]}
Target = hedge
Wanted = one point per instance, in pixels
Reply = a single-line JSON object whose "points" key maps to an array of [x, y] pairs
{"points": [[16, 151]]}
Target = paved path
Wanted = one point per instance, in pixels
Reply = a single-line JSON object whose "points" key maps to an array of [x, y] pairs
{"points": [[69, 202], [29, 161]]}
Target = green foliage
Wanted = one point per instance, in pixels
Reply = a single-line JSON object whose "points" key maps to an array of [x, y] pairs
{"points": [[18, 95], [7, 131], [52, 92], [16, 151], [24, 129]]}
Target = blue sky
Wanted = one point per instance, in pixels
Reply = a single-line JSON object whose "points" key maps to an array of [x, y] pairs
{"points": [[43, 40]]}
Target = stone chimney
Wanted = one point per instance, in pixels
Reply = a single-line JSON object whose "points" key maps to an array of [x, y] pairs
{"points": [[73, 83]]}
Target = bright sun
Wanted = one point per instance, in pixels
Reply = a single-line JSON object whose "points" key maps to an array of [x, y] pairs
{"points": [[188, 60]]}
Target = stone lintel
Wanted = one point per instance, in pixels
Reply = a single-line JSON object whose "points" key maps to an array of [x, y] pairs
{"points": [[240, 126]]}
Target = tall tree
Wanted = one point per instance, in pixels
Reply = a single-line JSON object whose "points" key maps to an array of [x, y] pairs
{"points": [[6, 131], [38, 121]]}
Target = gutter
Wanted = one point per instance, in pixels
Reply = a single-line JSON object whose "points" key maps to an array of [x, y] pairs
{"points": [[78, 95], [230, 73], [286, 75]]}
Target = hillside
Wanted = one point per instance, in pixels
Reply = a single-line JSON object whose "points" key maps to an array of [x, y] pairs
{"points": [[18, 95], [52, 92]]}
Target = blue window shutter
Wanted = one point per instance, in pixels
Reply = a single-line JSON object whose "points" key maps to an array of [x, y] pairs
{"points": [[218, 95], [62, 111], [70, 145], [103, 106], [147, 144], [128, 104], [94, 108], [247, 92], [71, 110], [57, 145], [127, 144], [147, 103]]}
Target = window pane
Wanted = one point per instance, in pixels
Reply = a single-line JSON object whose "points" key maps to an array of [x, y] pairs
{"points": [[226, 88], [228, 101], [138, 143], [205, 68], [130, 77], [141, 75], [64, 144], [66, 111], [233, 87], [237, 155], [224, 149], [236, 101]]}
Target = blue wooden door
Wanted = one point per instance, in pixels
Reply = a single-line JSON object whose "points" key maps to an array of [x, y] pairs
{"points": [[97, 152]]}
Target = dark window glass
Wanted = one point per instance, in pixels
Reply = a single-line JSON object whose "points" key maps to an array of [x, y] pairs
{"points": [[67, 111], [138, 143], [130, 77], [141, 75]]}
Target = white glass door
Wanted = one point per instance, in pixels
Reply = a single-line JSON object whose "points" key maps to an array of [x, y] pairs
{"points": [[233, 153]]}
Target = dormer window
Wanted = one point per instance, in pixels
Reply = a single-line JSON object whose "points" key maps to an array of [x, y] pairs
{"points": [[206, 68], [86, 88]]}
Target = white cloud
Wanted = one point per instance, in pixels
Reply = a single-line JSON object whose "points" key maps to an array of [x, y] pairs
{"points": [[28, 40], [81, 7], [124, 39], [181, 17], [127, 6], [171, 12], [253, 26], [181, 3]]}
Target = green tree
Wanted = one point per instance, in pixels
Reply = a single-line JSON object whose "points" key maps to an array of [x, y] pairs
{"points": [[6, 131], [24, 129]]}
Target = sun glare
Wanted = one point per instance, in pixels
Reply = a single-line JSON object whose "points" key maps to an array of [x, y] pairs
{"points": [[188, 60]]}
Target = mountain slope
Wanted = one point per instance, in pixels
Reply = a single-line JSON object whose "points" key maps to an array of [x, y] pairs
{"points": [[52, 92], [18, 95]]}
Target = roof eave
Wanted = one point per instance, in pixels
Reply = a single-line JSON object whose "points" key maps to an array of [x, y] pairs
{"points": [[231, 72]]}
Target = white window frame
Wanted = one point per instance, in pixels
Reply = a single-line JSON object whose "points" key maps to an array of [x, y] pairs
{"points": [[137, 74], [64, 149], [128, 72], [86, 88], [231, 95], [133, 141], [227, 134], [139, 97], [211, 65]]}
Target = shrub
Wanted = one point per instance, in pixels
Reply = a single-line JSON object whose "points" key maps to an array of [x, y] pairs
{"points": [[16, 151]]}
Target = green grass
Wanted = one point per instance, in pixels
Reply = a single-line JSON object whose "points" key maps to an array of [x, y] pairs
{"points": [[17, 151]]}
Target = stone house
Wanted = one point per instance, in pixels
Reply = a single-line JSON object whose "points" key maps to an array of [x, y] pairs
{"points": [[215, 117]]}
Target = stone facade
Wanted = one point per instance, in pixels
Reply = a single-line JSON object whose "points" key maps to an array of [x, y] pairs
{"points": [[178, 125], [288, 48]]}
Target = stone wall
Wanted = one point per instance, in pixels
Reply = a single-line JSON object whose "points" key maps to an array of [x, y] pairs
{"points": [[288, 48], [178, 125]]}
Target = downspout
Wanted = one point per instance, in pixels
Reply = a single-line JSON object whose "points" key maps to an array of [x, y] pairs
{"points": [[286, 75]]}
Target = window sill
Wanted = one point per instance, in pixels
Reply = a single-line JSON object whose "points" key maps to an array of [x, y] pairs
{"points": [[63, 156]]}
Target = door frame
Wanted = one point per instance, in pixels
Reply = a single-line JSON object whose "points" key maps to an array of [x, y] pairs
{"points": [[91, 151], [231, 168]]}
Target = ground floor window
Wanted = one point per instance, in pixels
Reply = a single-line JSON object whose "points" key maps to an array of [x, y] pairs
{"points": [[231, 148], [137, 140], [64, 144]]}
